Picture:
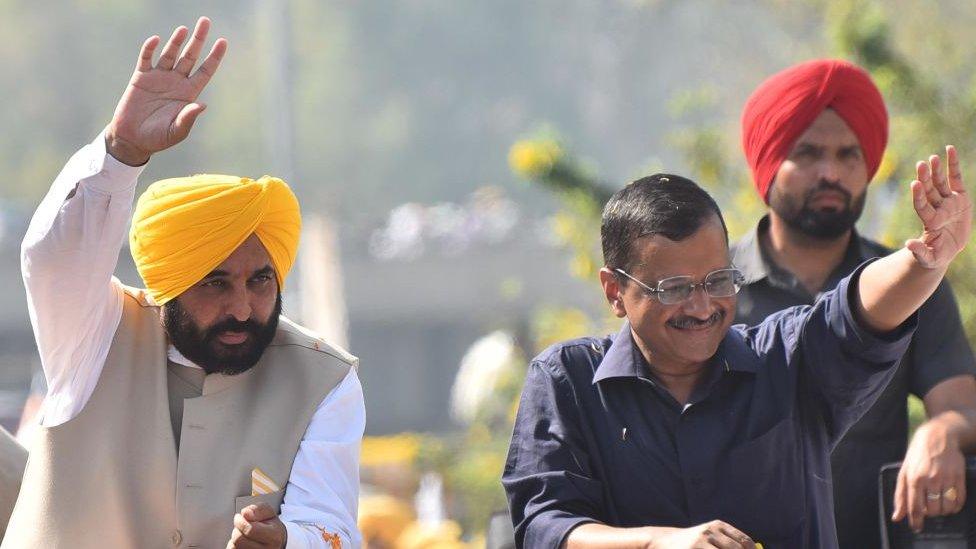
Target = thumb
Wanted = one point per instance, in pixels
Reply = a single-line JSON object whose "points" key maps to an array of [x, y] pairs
{"points": [[185, 119], [258, 512], [920, 250]]}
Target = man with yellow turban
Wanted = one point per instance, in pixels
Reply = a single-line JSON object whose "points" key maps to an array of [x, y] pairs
{"points": [[188, 414], [814, 135]]}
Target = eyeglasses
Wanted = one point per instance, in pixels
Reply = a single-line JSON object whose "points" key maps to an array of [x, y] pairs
{"points": [[673, 290]]}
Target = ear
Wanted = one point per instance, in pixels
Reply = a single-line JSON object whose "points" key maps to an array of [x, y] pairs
{"points": [[612, 291]]}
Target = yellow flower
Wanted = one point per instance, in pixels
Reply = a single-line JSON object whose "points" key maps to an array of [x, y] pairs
{"points": [[394, 449], [383, 518], [446, 535], [889, 163], [531, 159]]}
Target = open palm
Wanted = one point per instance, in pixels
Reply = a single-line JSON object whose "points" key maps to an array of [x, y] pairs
{"points": [[159, 105], [945, 209]]}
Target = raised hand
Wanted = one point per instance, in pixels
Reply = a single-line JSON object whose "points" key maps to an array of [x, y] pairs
{"points": [[945, 209], [159, 105]]}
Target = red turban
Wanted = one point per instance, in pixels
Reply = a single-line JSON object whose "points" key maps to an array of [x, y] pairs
{"points": [[785, 105]]}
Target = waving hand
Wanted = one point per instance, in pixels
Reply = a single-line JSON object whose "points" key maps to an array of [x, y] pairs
{"points": [[160, 105], [945, 209]]}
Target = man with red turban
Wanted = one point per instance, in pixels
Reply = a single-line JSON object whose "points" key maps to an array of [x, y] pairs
{"points": [[814, 136], [190, 413]]}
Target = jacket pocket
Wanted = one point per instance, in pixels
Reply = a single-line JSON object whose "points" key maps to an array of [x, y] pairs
{"points": [[273, 499]]}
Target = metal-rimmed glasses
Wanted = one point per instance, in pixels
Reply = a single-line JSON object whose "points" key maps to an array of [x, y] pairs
{"points": [[675, 289]]}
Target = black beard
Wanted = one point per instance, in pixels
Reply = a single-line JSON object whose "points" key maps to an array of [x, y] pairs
{"points": [[825, 224], [203, 348]]}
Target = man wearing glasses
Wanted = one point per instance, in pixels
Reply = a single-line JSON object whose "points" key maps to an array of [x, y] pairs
{"points": [[683, 431]]}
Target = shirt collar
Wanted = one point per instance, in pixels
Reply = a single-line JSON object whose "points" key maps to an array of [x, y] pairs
{"points": [[624, 360], [177, 357], [748, 254], [755, 264]]}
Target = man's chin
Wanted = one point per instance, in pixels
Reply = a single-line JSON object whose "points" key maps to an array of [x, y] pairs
{"points": [[829, 224], [230, 362]]}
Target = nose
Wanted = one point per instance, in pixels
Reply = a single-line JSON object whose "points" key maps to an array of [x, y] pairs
{"points": [[698, 304], [238, 305], [830, 169]]}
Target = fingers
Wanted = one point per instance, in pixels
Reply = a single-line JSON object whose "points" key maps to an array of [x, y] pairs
{"points": [[954, 487], [238, 541], [258, 512], [184, 121], [960, 486], [192, 50], [939, 180], [725, 536], [901, 495], [920, 199], [916, 506], [168, 58], [955, 172], [254, 531], [933, 500], [146, 54], [924, 174], [210, 64]]}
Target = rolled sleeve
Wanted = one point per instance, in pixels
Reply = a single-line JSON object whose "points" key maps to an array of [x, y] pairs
{"points": [[841, 365], [846, 364], [106, 173], [548, 478], [856, 340]]}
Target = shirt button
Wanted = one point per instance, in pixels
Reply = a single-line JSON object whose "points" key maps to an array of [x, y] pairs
{"points": [[177, 537]]}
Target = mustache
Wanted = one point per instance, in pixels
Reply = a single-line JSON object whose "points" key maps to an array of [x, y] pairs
{"points": [[232, 325], [686, 322], [825, 185]]}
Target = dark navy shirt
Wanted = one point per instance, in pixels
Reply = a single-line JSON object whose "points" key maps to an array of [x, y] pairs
{"points": [[596, 439], [938, 351]]}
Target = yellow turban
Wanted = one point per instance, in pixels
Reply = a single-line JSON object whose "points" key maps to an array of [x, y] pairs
{"points": [[183, 228]]}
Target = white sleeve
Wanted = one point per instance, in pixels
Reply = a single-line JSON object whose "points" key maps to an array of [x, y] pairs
{"points": [[67, 259], [322, 495]]}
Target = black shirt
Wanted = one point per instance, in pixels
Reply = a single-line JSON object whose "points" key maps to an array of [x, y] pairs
{"points": [[596, 439], [938, 351]]}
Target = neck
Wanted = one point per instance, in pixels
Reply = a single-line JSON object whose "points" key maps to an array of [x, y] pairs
{"points": [[811, 260], [680, 379]]}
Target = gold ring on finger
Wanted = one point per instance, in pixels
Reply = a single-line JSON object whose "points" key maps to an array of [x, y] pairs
{"points": [[950, 493]]}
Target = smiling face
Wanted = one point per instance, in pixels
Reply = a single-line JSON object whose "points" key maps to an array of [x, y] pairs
{"points": [[819, 189], [225, 322], [685, 335]]}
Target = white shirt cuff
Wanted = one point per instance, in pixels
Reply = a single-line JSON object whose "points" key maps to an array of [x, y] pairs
{"points": [[103, 172]]}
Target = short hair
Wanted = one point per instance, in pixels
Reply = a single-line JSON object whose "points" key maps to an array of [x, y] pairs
{"points": [[664, 204]]}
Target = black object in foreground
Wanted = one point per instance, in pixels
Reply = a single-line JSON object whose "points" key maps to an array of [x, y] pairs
{"points": [[956, 531]]}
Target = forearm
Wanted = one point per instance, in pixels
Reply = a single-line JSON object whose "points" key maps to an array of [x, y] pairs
{"points": [[892, 288], [68, 257], [601, 536], [958, 427]]}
